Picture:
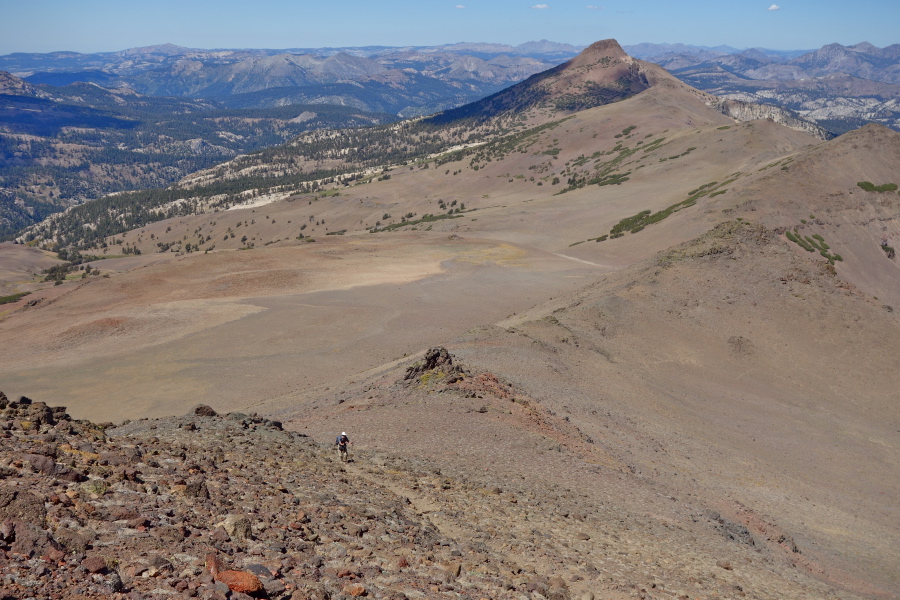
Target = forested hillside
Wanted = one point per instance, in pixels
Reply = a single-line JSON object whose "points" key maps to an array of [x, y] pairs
{"points": [[61, 147]]}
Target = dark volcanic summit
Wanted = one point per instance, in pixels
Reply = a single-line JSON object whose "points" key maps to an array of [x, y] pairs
{"points": [[600, 74]]}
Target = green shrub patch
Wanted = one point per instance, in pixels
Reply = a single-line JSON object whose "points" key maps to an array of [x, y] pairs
{"points": [[13, 297], [871, 187]]}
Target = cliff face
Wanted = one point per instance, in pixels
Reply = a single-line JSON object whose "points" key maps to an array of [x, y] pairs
{"points": [[748, 111]]}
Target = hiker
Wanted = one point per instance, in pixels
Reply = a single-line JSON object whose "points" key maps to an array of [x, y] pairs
{"points": [[342, 442]]}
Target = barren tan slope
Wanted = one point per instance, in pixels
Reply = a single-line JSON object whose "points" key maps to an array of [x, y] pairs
{"points": [[815, 192], [514, 188], [731, 373], [187, 316], [767, 382], [232, 329], [734, 373], [19, 266]]}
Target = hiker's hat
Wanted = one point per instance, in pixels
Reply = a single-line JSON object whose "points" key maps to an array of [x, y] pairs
{"points": [[343, 433]]}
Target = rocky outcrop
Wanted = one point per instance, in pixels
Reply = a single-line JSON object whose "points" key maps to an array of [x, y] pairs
{"points": [[436, 364], [210, 506], [12, 85], [748, 111]]}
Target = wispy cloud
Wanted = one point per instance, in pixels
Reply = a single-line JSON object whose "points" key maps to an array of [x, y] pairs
{"points": [[541, 6], [460, 6], [592, 7], [774, 7]]}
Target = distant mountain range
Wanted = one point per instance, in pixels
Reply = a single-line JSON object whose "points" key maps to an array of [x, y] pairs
{"points": [[74, 126], [839, 87], [368, 78], [861, 60]]}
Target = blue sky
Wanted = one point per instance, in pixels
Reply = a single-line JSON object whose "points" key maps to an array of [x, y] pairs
{"points": [[106, 25]]}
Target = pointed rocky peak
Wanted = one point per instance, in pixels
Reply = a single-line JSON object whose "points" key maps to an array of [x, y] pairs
{"points": [[756, 54], [596, 52], [604, 60], [601, 74]]}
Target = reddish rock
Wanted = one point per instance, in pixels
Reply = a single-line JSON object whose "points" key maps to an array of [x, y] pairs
{"points": [[120, 513], [112, 458], [355, 590], [240, 581], [214, 564], [66, 474], [94, 564], [6, 530], [138, 522], [402, 563], [31, 540], [131, 474], [54, 555]]}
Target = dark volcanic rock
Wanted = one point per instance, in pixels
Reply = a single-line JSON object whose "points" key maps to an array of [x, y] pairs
{"points": [[94, 564], [203, 410], [31, 540], [438, 361], [21, 506]]}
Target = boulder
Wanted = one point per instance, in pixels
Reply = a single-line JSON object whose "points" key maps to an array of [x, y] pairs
{"points": [[74, 541], [237, 527], [437, 360], [202, 410], [22, 506], [196, 489], [31, 541], [94, 564], [240, 581], [355, 590]]}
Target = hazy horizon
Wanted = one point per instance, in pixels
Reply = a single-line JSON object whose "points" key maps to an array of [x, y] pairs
{"points": [[104, 26]]}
